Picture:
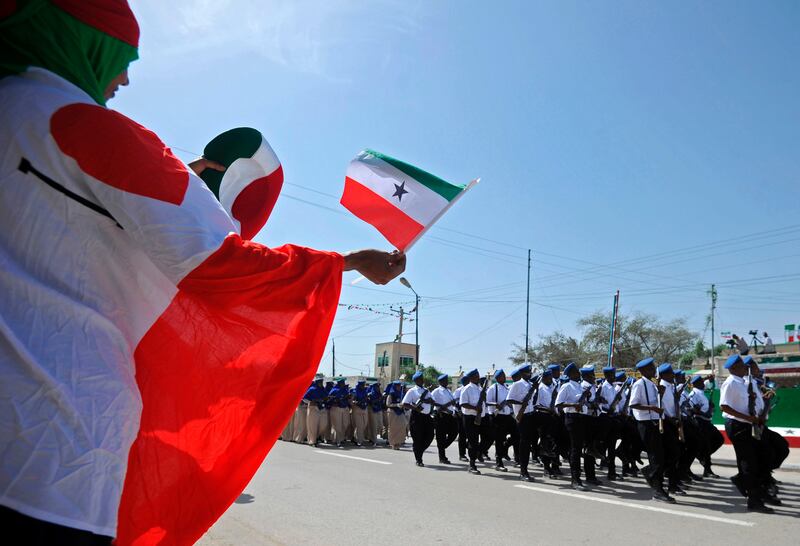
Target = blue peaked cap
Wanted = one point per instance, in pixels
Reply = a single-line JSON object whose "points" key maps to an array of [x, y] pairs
{"points": [[587, 369], [464, 380], [680, 373], [443, 377], [747, 360], [696, 378], [416, 376], [547, 373], [644, 363], [733, 359], [472, 372], [569, 367], [497, 373], [553, 367], [666, 367], [619, 375], [521, 368], [608, 369]]}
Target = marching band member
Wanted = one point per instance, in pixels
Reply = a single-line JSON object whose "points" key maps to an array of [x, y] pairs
{"points": [[418, 400], [648, 414]]}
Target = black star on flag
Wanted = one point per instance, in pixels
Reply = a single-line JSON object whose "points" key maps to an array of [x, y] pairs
{"points": [[399, 191]]}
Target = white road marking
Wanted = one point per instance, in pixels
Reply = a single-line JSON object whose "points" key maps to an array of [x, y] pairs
{"points": [[350, 457], [640, 506]]}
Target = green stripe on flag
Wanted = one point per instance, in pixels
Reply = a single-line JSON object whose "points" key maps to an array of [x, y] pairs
{"points": [[227, 148], [434, 183]]}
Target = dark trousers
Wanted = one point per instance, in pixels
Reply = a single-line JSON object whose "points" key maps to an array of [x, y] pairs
{"points": [[546, 423], [486, 433], [577, 428], [632, 444], [562, 437], [613, 424], [750, 458], [672, 452], [472, 434], [654, 445], [527, 432], [505, 435], [446, 432], [35, 532], [691, 447], [710, 440], [422, 432], [462, 436]]}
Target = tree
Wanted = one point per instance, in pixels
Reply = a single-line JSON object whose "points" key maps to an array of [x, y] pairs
{"points": [[640, 336], [430, 374]]}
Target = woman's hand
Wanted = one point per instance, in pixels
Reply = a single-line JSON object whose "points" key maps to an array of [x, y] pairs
{"points": [[378, 266], [201, 164]]}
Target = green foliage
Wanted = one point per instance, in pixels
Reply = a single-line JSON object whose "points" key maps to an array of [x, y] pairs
{"points": [[639, 336]]}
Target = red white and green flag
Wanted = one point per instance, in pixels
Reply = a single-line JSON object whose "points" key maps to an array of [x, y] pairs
{"points": [[400, 200]]}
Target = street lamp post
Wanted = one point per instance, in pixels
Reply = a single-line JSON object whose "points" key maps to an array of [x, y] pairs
{"points": [[407, 284]]}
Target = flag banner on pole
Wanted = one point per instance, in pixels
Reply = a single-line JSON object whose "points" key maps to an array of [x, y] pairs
{"points": [[400, 200]]}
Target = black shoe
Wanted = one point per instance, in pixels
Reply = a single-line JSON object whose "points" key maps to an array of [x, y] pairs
{"points": [[695, 477], [577, 485], [552, 475], [463, 458], [737, 481], [480, 458], [444, 461], [594, 481], [758, 506], [677, 490], [500, 468], [558, 472], [525, 477], [772, 499], [474, 470], [661, 495], [420, 463], [708, 473], [615, 478]]}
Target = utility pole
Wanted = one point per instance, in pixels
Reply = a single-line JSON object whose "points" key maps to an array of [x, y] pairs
{"points": [[528, 307], [713, 308], [400, 331], [613, 333], [333, 357]]}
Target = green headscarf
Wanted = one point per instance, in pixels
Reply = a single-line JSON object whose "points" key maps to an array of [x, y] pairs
{"points": [[40, 34]]}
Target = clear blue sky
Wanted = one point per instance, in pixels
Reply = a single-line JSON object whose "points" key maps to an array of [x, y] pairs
{"points": [[615, 139]]}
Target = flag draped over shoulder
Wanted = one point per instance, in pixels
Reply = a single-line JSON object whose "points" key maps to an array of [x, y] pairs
{"points": [[220, 372], [398, 199]]}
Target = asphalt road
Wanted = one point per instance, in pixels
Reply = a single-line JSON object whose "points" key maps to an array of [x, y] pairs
{"points": [[305, 495]]}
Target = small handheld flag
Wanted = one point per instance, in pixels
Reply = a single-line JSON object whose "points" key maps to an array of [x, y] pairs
{"points": [[400, 200]]}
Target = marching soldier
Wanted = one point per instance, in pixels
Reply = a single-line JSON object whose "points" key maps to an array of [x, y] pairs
{"points": [[646, 407], [396, 415], [340, 411], [326, 430], [560, 431], [470, 402], [737, 405], [418, 400], [691, 433], [611, 393], [522, 397], [672, 436], [374, 413], [462, 435], [545, 420], [300, 427], [503, 424], [446, 427], [630, 446], [315, 398], [359, 417], [700, 412]]}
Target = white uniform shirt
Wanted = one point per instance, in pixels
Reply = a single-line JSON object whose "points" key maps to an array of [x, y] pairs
{"points": [[570, 393], [668, 399], [592, 395], [413, 395], [471, 395], [644, 392], [684, 400], [496, 394], [518, 391], [734, 394], [545, 396], [608, 391], [442, 395], [697, 399]]}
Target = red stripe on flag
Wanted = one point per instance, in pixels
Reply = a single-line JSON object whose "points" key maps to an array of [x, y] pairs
{"points": [[398, 227], [220, 373]]}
